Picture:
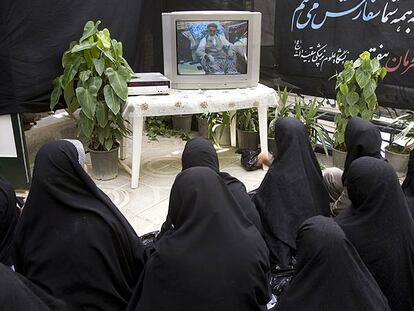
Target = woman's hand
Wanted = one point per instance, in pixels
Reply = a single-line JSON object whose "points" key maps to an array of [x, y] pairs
{"points": [[265, 159]]}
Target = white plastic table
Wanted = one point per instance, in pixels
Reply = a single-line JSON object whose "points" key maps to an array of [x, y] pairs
{"points": [[180, 102]]}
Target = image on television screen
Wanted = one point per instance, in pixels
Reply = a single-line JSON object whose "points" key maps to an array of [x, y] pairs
{"points": [[212, 47]]}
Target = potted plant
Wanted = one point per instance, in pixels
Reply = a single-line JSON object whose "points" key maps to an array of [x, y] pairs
{"points": [[182, 122], [247, 128], [355, 86], [202, 123], [219, 128], [308, 113], [95, 80], [282, 110], [398, 151]]}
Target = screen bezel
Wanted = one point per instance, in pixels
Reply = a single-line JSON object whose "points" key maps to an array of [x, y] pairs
{"points": [[200, 21]]}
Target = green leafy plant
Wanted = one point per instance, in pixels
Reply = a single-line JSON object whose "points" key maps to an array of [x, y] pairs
{"points": [[95, 80], [282, 110], [403, 142], [204, 116], [247, 120], [355, 96], [216, 119], [161, 126], [308, 113]]}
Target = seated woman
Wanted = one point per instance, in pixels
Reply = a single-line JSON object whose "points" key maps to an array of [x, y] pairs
{"points": [[71, 239], [19, 294], [291, 192], [212, 258], [201, 152], [408, 184], [8, 221], [362, 138], [381, 228], [329, 274]]}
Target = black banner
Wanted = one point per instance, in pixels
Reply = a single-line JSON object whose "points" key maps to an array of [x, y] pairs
{"points": [[314, 38]]}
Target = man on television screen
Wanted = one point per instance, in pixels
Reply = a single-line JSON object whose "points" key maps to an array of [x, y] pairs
{"points": [[216, 53]]}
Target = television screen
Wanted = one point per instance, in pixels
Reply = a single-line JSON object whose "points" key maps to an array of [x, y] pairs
{"points": [[212, 47]]}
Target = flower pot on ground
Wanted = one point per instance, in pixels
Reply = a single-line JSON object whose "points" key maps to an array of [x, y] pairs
{"points": [[202, 122], [95, 80], [397, 156], [338, 157], [247, 139], [104, 163], [182, 122], [398, 152], [247, 124]]}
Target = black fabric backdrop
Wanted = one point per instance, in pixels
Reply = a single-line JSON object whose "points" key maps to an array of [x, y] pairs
{"points": [[34, 34], [322, 47]]}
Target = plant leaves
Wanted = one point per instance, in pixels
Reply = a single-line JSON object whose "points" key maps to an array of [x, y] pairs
{"points": [[108, 55], [344, 88], [118, 83], [375, 65], [86, 125], [87, 100], [109, 143], [88, 58], [89, 30], [348, 74], [82, 46], [125, 63], [67, 55], [366, 114], [101, 136], [369, 89], [357, 63], [353, 110], [365, 55], [111, 99], [70, 98], [73, 106], [352, 98], [104, 38], [56, 93], [84, 75], [372, 102], [362, 77], [383, 72], [94, 81], [101, 114], [71, 70], [99, 65], [117, 48], [125, 72]]}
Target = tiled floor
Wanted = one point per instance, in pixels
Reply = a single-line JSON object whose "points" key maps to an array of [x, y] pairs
{"points": [[146, 207]]}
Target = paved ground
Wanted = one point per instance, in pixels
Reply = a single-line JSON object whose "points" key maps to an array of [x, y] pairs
{"points": [[146, 207]]}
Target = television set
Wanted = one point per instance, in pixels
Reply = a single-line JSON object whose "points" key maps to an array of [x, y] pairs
{"points": [[212, 49]]}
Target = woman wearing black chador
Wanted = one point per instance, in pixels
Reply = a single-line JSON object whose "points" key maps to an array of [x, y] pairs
{"points": [[291, 192]]}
